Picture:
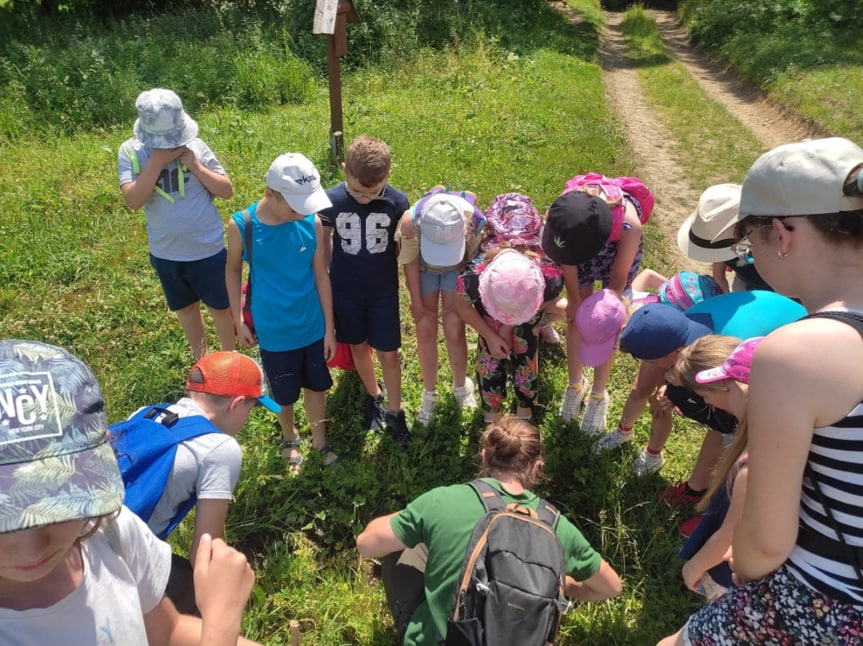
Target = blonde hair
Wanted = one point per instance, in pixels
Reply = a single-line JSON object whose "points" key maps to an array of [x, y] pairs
{"points": [[704, 353], [511, 446], [368, 160], [725, 471]]}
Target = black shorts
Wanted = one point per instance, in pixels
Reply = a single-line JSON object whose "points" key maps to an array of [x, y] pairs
{"points": [[375, 320], [289, 371]]}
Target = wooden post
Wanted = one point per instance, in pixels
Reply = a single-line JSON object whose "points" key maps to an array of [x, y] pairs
{"points": [[331, 18], [295, 632]]}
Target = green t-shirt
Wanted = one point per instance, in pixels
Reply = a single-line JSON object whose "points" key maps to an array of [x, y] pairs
{"points": [[443, 519]]}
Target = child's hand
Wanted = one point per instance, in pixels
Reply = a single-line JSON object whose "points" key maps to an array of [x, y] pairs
{"points": [[497, 347], [223, 581], [691, 576], [187, 157], [330, 345], [419, 312], [164, 156], [246, 337]]}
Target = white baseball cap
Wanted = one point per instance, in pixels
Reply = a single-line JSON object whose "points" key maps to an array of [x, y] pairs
{"points": [[441, 222], [297, 179]]}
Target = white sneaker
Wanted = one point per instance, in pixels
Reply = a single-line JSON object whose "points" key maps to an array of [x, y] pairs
{"points": [[595, 415], [427, 408], [613, 440], [571, 403], [548, 334], [646, 463], [464, 396]]}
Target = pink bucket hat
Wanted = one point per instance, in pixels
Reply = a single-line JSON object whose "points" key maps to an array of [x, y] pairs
{"points": [[511, 288], [736, 366], [599, 320]]}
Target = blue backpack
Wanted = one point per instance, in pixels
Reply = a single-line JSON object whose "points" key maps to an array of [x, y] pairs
{"points": [[145, 446]]}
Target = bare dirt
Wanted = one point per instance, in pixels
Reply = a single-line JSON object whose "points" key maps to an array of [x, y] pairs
{"points": [[654, 146]]}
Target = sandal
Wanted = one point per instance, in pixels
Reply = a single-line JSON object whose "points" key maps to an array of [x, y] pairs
{"points": [[327, 449], [294, 461]]}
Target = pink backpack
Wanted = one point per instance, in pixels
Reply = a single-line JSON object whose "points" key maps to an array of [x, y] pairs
{"points": [[612, 190]]}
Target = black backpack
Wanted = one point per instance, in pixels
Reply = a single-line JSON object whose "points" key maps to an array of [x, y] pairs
{"points": [[512, 581]]}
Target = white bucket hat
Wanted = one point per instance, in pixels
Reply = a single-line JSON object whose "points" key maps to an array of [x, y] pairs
{"points": [[162, 122]]}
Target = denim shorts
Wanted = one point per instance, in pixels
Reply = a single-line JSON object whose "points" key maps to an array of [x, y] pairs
{"points": [[187, 282], [438, 281], [290, 370]]}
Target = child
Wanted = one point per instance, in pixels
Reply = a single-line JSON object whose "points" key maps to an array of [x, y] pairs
{"points": [[222, 388], [292, 302], [723, 386], [683, 290], [504, 297], [363, 219], [438, 236], [717, 206], [593, 230], [174, 175], [78, 567]]}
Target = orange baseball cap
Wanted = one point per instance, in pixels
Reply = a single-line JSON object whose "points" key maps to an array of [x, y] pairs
{"points": [[230, 374]]}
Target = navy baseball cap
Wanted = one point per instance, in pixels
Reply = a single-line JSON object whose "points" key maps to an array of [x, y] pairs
{"points": [[656, 330]]}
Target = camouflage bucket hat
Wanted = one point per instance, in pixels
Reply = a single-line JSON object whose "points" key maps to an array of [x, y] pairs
{"points": [[56, 464]]}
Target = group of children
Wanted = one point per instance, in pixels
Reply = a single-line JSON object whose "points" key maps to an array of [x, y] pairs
{"points": [[323, 277]]}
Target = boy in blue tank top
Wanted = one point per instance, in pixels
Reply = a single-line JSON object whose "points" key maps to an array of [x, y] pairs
{"points": [[292, 302], [363, 218]]}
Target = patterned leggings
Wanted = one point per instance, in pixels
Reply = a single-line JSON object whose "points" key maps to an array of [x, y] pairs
{"points": [[523, 362]]}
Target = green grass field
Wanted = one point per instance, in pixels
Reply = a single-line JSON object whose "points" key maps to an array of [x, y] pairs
{"points": [[516, 106]]}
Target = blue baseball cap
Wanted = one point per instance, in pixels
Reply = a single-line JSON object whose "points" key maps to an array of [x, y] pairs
{"points": [[656, 330]]}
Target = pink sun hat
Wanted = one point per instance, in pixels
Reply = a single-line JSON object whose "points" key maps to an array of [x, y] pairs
{"points": [[599, 320], [736, 366], [511, 288]]}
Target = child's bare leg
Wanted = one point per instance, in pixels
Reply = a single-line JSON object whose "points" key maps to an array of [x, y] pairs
{"points": [[708, 457], [427, 345], [224, 327], [647, 279], [456, 339], [365, 366], [315, 403], [290, 438], [192, 323], [391, 370]]}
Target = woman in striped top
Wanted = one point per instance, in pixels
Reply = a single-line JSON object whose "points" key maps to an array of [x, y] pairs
{"points": [[798, 547]]}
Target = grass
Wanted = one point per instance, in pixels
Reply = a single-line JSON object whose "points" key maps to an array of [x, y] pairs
{"points": [[512, 102]]}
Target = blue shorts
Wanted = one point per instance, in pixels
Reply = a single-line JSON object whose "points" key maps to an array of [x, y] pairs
{"points": [[438, 281], [290, 370], [375, 320], [187, 282]]}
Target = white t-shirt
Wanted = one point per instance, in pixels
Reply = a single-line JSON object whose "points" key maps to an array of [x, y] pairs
{"points": [[120, 585], [207, 466], [190, 228]]}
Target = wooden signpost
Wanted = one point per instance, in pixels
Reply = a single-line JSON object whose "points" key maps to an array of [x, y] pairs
{"points": [[331, 18]]}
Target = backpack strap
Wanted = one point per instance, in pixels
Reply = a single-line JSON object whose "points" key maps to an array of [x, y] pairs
{"points": [[493, 501], [247, 233], [851, 318], [136, 168]]}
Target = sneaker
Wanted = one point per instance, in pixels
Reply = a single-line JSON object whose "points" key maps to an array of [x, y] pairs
{"points": [[688, 526], [571, 404], [398, 427], [548, 334], [427, 408], [613, 440], [464, 396], [646, 463], [595, 415], [373, 413], [681, 494]]}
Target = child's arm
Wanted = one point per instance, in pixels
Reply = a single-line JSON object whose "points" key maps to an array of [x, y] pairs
{"points": [[223, 582], [498, 347], [626, 251], [325, 290], [648, 279], [138, 191], [210, 514], [410, 261], [217, 184], [713, 552], [720, 275], [234, 284], [573, 291]]}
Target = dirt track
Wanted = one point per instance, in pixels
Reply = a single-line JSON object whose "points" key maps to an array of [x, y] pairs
{"points": [[654, 147]]}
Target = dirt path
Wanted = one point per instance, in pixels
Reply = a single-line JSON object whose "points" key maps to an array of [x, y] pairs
{"points": [[654, 146]]}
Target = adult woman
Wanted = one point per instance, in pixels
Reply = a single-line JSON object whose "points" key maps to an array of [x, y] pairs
{"points": [[797, 545], [433, 531]]}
